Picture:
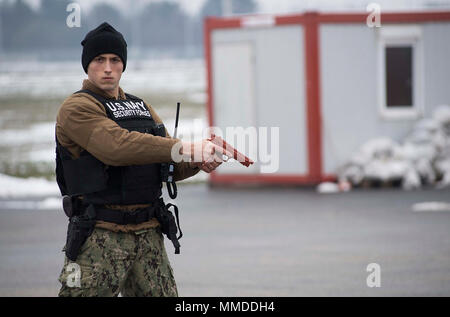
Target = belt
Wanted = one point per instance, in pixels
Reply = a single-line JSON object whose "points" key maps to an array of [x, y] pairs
{"points": [[122, 217], [169, 224]]}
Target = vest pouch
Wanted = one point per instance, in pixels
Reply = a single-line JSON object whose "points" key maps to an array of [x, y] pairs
{"points": [[84, 175]]}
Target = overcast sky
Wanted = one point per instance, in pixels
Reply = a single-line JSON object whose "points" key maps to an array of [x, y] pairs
{"points": [[277, 6]]}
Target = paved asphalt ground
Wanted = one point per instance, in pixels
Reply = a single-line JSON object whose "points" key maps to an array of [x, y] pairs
{"points": [[266, 242]]}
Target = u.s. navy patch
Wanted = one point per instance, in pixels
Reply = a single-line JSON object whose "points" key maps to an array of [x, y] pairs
{"points": [[127, 109]]}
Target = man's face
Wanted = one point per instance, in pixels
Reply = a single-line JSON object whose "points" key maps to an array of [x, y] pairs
{"points": [[105, 71]]}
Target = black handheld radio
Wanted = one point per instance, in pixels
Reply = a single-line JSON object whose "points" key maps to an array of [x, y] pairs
{"points": [[171, 185]]}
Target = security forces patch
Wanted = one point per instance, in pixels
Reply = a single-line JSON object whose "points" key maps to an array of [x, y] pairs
{"points": [[121, 109]]}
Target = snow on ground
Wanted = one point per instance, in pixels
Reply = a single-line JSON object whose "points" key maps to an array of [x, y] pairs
{"points": [[49, 203], [43, 132], [431, 206], [13, 187]]}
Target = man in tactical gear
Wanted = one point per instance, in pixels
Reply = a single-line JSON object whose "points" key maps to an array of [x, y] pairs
{"points": [[111, 152]]}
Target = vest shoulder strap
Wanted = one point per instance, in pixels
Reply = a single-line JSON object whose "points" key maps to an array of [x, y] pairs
{"points": [[96, 96], [130, 96]]}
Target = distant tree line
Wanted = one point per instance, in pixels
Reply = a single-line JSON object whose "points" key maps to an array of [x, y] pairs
{"points": [[160, 25]]}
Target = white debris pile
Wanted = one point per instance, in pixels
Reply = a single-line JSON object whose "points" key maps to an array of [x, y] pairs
{"points": [[422, 159]]}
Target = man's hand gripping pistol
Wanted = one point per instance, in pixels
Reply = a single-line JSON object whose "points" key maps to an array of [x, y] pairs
{"points": [[238, 156]]}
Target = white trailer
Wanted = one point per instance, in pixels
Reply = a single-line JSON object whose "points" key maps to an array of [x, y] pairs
{"points": [[330, 82]]}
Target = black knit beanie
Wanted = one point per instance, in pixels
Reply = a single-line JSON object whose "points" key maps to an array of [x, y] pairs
{"points": [[102, 40]]}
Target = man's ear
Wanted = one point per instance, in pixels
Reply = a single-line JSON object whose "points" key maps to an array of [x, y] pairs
{"points": [[122, 65]]}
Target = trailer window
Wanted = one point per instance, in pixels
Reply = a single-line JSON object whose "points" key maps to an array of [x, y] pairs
{"points": [[400, 62], [399, 76]]}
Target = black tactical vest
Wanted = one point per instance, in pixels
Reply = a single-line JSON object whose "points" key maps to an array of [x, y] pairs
{"points": [[103, 184]]}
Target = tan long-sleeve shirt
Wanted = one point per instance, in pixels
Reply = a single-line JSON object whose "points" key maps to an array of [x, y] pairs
{"points": [[82, 124]]}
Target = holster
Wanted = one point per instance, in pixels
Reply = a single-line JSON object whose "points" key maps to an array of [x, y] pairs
{"points": [[168, 224], [80, 228]]}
